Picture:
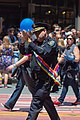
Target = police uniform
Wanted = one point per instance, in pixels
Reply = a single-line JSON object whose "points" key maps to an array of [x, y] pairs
{"points": [[43, 84], [36, 69]]}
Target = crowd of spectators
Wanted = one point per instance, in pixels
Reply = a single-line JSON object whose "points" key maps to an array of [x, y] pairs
{"points": [[10, 44]]}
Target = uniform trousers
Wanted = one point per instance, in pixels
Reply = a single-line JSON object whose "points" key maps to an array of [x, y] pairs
{"points": [[42, 98]]}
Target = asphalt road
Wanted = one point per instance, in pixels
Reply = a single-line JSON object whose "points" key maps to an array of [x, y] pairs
{"points": [[20, 111]]}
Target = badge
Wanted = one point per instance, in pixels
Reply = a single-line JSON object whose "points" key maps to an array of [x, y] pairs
{"points": [[51, 43]]}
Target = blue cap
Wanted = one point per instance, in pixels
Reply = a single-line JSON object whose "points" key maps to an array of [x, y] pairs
{"points": [[26, 24]]}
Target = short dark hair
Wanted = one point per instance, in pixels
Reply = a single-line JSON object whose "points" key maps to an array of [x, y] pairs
{"points": [[10, 29]]}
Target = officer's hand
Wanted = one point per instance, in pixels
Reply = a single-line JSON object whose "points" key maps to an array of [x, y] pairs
{"points": [[42, 35]]}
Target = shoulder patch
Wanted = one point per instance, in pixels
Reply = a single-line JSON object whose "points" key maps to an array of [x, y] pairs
{"points": [[51, 43]]}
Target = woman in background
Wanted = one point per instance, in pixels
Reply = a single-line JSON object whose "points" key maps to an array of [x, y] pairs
{"points": [[6, 51], [70, 60]]}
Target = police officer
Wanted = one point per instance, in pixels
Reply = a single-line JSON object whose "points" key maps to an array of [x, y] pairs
{"points": [[43, 83]]}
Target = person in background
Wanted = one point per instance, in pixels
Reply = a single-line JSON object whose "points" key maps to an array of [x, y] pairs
{"points": [[16, 56], [13, 40], [61, 46], [11, 35], [74, 32], [78, 44], [22, 71], [6, 50], [0, 62], [70, 60]]}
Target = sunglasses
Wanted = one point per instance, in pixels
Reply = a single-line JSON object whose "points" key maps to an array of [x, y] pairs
{"points": [[69, 38]]}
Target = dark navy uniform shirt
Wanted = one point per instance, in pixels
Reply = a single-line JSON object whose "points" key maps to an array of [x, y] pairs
{"points": [[48, 51]]}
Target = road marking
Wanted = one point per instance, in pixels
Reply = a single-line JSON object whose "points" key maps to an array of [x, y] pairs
{"points": [[41, 114]]}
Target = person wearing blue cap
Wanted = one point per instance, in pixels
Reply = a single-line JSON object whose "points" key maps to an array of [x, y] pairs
{"points": [[21, 71], [26, 24]]}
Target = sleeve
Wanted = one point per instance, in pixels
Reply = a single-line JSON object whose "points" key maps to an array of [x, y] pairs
{"points": [[46, 48], [36, 48]]}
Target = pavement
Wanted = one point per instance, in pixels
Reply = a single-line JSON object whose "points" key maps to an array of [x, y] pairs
{"points": [[20, 111]]}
